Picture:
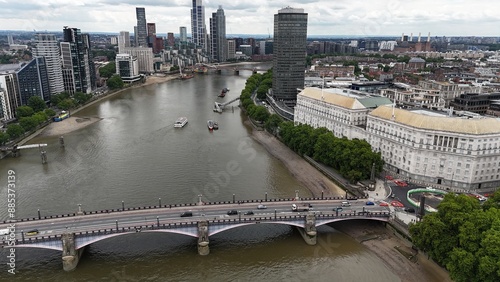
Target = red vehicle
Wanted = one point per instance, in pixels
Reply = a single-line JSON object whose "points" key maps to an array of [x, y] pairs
{"points": [[389, 177], [400, 183]]}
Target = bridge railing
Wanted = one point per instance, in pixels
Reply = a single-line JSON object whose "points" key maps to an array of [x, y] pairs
{"points": [[176, 225]]}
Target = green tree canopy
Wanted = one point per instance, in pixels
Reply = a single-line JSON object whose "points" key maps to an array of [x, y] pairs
{"points": [[4, 137], [50, 112], [108, 70], [37, 104], [14, 130], [66, 104], [28, 123], [115, 82], [463, 236], [24, 111]]}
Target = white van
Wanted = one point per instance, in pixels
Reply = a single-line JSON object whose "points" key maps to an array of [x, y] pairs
{"points": [[346, 204]]}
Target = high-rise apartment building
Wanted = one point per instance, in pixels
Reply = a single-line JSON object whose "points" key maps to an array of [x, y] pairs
{"points": [[198, 27], [127, 67], [289, 59], [183, 34], [218, 46], [170, 39], [47, 46], [33, 80], [10, 39], [9, 93], [123, 40], [77, 57], [142, 32]]}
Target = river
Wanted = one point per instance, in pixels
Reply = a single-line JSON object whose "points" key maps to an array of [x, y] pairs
{"points": [[135, 155]]}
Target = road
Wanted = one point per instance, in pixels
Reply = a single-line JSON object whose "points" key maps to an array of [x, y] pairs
{"points": [[134, 218]]}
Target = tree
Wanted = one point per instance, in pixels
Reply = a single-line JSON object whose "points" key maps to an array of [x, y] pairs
{"points": [[37, 104], [273, 123], [81, 98], [15, 130], [4, 137], [260, 114], [115, 82], [66, 104], [262, 91], [28, 123], [24, 111], [50, 112], [40, 117], [108, 70], [55, 99]]}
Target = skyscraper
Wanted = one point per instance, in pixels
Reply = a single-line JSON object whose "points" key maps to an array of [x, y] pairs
{"points": [[10, 39], [142, 32], [183, 34], [77, 57], [218, 46], [123, 40], [198, 27], [47, 46], [289, 56]]}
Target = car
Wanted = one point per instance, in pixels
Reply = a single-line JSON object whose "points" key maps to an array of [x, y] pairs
{"points": [[32, 232], [338, 209], [370, 203], [410, 210], [388, 177], [232, 212], [261, 207], [346, 204], [249, 213], [186, 214]]}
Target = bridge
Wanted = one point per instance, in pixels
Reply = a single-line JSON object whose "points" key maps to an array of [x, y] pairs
{"points": [[16, 150], [218, 68], [219, 107], [70, 233]]}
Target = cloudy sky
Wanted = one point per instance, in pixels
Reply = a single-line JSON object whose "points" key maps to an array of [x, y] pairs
{"points": [[325, 17]]}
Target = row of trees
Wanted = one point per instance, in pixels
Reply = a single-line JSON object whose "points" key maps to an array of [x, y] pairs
{"points": [[65, 102], [352, 158], [463, 236], [30, 116]]}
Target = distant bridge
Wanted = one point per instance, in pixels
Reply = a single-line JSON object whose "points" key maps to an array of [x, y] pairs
{"points": [[219, 107], [70, 233], [235, 68], [15, 150]]}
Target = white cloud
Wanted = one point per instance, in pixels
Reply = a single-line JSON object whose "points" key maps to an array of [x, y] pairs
{"points": [[325, 17]]}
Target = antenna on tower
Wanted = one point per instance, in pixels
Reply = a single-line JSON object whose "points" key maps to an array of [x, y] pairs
{"points": [[268, 32]]}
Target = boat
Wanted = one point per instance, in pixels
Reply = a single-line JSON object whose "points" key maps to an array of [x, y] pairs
{"points": [[64, 115], [210, 124], [216, 125], [180, 122], [185, 76], [200, 69], [223, 92]]}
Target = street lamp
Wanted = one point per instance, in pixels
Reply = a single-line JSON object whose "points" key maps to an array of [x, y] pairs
{"points": [[123, 205], [296, 195], [199, 200], [233, 198], [159, 202]]}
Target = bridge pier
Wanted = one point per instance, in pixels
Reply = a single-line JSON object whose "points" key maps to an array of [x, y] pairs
{"points": [[309, 231], [70, 256], [203, 248]]}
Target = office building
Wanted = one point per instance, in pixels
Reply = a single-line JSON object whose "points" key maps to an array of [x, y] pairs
{"points": [[123, 40], [170, 39], [198, 26], [142, 33], [33, 80], [231, 49], [428, 147], [218, 46], [144, 58], [290, 34], [10, 39], [76, 55], [127, 67], [47, 46]]}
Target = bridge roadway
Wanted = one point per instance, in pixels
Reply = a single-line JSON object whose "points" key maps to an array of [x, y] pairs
{"points": [[79, 229]]}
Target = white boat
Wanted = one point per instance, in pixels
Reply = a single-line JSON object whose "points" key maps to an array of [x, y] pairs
{"points": [[180, 122]]}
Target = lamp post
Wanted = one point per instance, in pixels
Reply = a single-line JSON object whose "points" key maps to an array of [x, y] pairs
{"points": [[266, 197], [159, 202], [296, 195], [199, 200], [234, 197], [39, 217], [116, 225], [123, 205]]}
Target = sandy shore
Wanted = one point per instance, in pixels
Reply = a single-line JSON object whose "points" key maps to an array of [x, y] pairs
{"points": [[304, 172], [383, 243]]}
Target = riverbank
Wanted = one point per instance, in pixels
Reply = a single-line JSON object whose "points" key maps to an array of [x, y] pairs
{"points": [[304, 172], [395, 252]]}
